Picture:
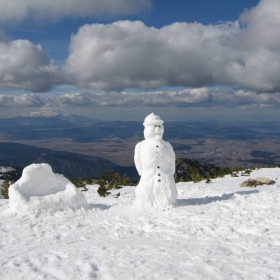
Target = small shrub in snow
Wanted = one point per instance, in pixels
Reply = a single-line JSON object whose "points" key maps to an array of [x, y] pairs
{"points": [[176, 178], [195, 175], [5, 188], [103, 191], [103, 184], [246, 172], [79, 183], [223, 171], [237, 169], [125, 180], [89, 181], [109, 181]]}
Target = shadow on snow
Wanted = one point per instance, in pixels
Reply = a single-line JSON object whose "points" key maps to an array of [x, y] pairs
{"points": [[210, 199], [101, 207]]}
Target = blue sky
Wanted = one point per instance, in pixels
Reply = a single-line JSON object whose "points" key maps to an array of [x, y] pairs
{"points": [[200, 59]]}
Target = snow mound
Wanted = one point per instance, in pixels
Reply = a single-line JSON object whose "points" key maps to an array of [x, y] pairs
{"points": [[40, 189]]}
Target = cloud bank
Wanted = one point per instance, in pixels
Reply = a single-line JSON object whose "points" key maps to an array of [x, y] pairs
{"points": [[198, 97], [25, 100], [18, 10]]}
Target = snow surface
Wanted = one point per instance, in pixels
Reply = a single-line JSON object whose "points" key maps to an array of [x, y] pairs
{"points": [[39, 189], [215, 231]]}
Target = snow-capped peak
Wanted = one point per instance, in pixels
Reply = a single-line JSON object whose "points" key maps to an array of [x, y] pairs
{"points": [[46, 114]]}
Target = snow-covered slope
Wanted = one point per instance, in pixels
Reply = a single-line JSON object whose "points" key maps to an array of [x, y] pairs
{"points": [[215, 231], [47, 114]]}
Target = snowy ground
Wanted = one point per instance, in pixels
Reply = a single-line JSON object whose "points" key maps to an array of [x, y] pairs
{"points": [[216, 231]]}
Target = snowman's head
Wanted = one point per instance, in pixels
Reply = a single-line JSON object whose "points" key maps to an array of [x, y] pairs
{"points": [[153, 127]]}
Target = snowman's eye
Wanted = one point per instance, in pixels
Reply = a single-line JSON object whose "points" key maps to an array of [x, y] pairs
{"points": [[155, 126], [159, 126]]}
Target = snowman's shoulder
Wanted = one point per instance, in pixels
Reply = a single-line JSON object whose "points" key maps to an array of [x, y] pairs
{"points": [[167, 145], [138, 146]]}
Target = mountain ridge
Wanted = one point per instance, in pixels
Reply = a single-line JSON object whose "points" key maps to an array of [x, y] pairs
{"points": [[66, 163]]}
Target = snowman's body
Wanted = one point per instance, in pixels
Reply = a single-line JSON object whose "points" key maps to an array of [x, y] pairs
{"points": [[155, 161]]}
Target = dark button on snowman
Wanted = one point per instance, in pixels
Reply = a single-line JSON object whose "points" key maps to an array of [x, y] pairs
{"points": [[155, 162]]}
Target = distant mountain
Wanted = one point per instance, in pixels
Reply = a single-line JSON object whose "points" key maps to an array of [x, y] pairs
{"points": [[47, 114], [48, 124], [68, 164]]}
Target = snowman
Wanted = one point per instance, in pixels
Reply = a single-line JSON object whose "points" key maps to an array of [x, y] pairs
{"points": [[155, 162]]}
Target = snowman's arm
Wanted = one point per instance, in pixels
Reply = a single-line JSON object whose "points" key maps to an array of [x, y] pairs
{"points": [[137, 159], [172, 163]]}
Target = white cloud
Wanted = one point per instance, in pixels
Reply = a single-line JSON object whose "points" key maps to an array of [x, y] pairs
{"points": [[25, 100], [28, 100], [24, 65], [197, 97], [17, 10], [262, 25], [129, 54]]}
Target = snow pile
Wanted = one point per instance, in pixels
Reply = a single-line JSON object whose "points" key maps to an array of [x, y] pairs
{"points": [[40, 189]]}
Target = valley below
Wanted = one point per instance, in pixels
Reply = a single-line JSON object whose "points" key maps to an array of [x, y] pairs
{"points": [[227, 153], [226, 144]]}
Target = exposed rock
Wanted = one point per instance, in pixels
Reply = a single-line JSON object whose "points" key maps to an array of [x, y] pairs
{"points": [[252, 183], [264, 181]]}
